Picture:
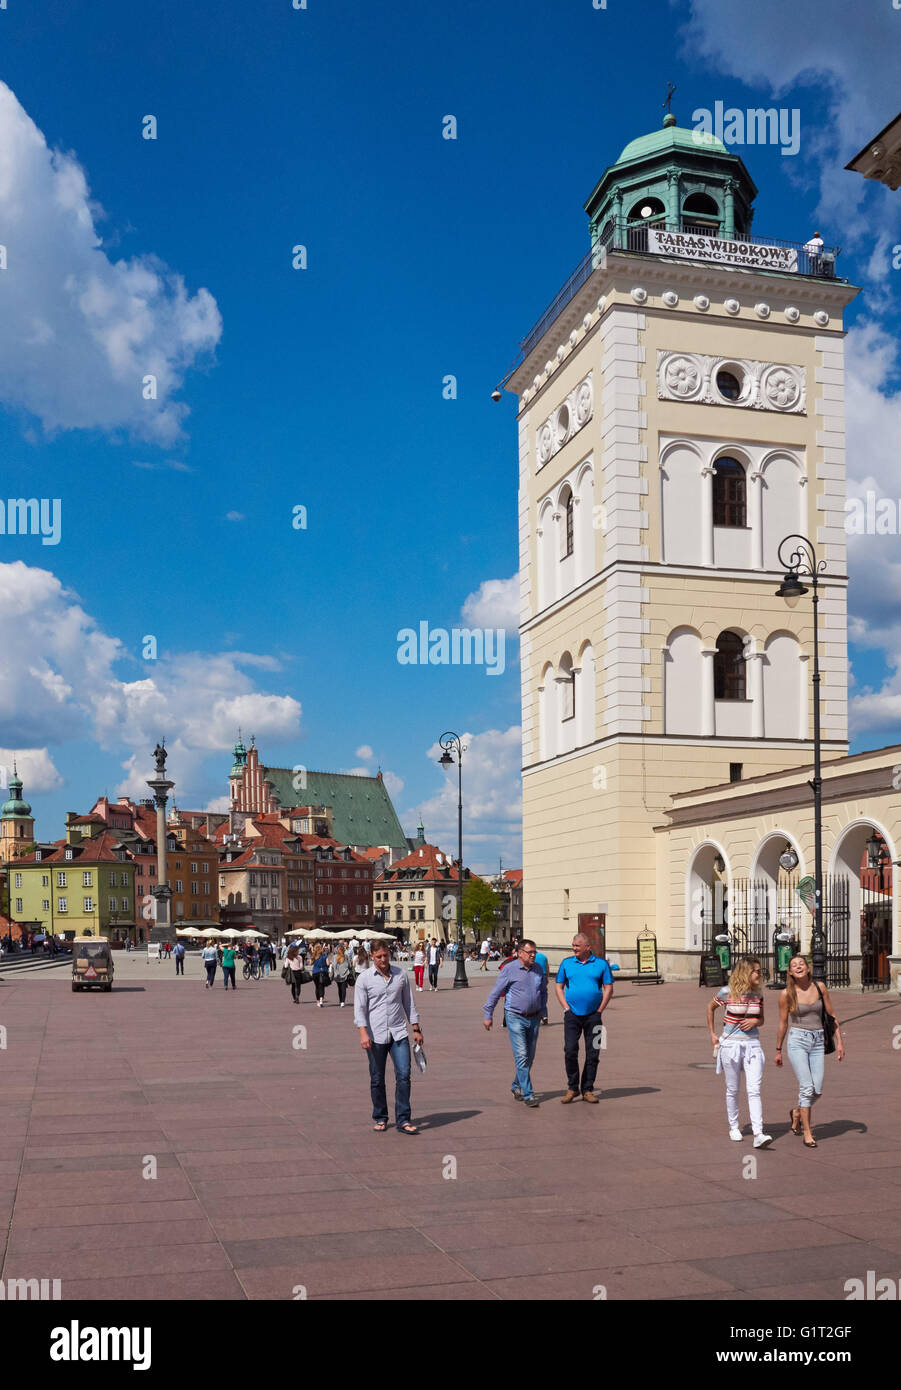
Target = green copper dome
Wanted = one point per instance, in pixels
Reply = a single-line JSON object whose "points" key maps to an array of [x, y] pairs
{"points": [[15, 806], [240, 762], [673, 180], [672, 139]]}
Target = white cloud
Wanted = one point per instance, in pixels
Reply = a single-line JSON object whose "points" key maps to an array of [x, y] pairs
{"points": [[492, 801], [81, 331], [174, 464], [234, 516], [850, 58], [35, 767], [196, 700], [394, 784], [364, 752], [495, 604]]}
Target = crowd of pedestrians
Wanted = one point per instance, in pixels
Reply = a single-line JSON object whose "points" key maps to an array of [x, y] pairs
{"points": [[385, 1014]]}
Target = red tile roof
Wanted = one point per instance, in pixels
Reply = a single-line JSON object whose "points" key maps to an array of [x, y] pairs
{"points": [[428, 857], [99, 848]]}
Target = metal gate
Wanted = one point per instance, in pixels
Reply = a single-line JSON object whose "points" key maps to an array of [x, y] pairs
{"points": [[875, 932], [749, 924], [753, 909], [836, 925]]}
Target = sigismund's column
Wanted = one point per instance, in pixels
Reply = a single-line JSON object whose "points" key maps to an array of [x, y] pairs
{"points": [[161, 786]]}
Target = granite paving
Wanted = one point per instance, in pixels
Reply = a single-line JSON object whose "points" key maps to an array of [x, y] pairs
{"points": [[169, 1142]]}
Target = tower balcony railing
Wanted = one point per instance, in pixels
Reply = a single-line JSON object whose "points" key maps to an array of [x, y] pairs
{"points": [[701, 241]]}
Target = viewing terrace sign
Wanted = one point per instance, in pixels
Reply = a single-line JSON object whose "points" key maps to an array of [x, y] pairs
{"points": [[711, 248]]}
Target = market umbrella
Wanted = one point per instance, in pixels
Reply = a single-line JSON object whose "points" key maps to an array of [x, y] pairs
{"points": [[252, 931], [230, 931], [210, 931], [188, 931]]}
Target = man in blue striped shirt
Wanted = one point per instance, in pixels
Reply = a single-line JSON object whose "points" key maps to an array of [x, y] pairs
{"points": [[524, 986]]}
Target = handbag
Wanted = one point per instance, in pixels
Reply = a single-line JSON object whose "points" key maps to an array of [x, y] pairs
{"points": [[286, 974], [829, 1023], [305, 977]]}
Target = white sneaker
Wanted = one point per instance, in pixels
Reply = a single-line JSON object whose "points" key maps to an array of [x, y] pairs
{"points": [[761, 1140], [342, 1003], [735, 1134]]}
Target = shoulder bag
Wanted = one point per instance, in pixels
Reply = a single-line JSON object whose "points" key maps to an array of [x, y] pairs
{"points": [[829, 1024]]}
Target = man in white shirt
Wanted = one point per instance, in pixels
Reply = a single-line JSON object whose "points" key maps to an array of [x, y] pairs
{"points": [[814, 249], [383, 1002], [483, 955]]}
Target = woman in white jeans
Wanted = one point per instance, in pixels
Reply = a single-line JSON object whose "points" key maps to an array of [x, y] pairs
{"points": [[801, 1006], [738, 1048]]}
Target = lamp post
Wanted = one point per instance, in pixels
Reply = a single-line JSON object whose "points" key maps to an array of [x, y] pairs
{"points": [[800, 558], [447, 742]]}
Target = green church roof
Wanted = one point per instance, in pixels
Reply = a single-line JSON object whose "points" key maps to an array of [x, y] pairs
{"points": [[15, 806], [362, 812], [669, 140]]}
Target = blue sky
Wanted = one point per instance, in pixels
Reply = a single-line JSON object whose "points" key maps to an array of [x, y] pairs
{"points": [[323, 387]]}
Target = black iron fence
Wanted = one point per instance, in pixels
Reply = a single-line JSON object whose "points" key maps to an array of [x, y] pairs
{"points": [[875, 934], [836, 924], [755, 912], [621, 235]]}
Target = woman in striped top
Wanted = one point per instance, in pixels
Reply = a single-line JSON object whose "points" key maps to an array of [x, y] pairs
{"points": [[738, 1048]]}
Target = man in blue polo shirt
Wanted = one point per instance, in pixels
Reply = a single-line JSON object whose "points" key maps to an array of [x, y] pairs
{"points": [[584, 987]]}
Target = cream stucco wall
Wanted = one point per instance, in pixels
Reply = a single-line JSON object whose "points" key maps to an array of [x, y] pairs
{"points": [[589, 841]]}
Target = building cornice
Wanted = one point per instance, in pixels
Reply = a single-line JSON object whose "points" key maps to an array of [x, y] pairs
{"points": [[684, 740], [705, 572], [605, 290], [864, 784]]}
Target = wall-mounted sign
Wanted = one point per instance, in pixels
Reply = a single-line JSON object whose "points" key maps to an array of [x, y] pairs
{"points": [[697, 247]]}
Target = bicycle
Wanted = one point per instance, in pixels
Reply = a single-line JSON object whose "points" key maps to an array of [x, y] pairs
{"points": [[252, 970]]}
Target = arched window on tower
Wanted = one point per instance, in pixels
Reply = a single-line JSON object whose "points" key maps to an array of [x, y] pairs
{"points": [[730, 505], [701, 215], [647, 212], [569, 508], [729, 667]]}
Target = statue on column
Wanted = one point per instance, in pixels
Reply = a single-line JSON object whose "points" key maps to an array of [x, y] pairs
{"points": [[159, 754]]}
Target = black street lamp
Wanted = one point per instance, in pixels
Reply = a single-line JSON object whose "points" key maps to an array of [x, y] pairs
{"points": [[802, 560], [453, 741]]}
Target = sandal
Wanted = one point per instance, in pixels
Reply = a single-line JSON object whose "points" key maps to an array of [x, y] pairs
{"points": [[791, 1120], [380, 1126], [408, 1128], [810, 1143]]}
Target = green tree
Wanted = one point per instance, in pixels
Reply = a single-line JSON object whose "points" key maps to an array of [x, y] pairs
{"points": [[480, 907]]}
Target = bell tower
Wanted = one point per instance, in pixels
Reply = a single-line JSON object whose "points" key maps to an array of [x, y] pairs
{"points": [[680, 412], [16, 823]]}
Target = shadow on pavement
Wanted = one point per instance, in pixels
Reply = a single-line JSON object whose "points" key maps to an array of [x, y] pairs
{"points": [[622, 1091], [439, 1121]]}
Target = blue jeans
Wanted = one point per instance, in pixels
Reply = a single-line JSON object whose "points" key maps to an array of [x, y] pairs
{"points": [[807, 1054], [377, 1054], [228, 973], [265, 966], [524, 1040]]}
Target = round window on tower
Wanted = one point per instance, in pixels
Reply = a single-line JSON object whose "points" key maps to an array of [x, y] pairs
{"points": [[729, 383]]}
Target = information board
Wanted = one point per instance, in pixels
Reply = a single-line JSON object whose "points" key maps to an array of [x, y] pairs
{"points": [[712, 973]]}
